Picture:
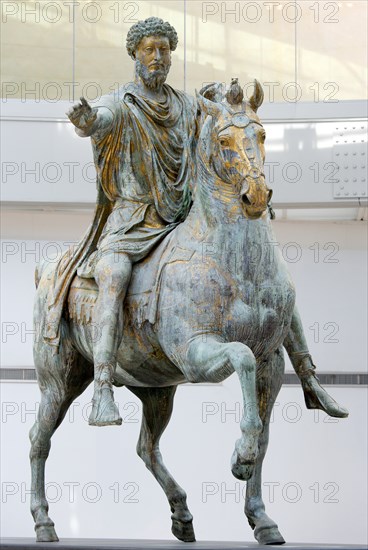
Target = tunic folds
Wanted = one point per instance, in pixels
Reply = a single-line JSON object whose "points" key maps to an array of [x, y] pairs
{"points": [[144, 159]]}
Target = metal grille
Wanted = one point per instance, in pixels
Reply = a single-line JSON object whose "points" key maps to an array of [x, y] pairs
{"points": [[290, 378], [350, 157]]}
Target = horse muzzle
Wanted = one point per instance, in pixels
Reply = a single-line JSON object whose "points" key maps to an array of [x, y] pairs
{"points": [[255, 196]]}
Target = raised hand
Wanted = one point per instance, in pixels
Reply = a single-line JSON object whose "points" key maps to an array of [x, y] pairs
{"points": [[82, 115]]}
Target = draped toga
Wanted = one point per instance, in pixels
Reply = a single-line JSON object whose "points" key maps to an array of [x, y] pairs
{"points": [[144, 163]]}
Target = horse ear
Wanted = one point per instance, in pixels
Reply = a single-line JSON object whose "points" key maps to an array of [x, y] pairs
{"points": [[206, 106], [257, 98], [213, 92]]}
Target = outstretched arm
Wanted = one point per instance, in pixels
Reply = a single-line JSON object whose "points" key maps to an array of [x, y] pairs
{"points": [[89, 120]]}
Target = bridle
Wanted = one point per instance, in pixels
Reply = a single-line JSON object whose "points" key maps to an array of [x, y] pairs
{"points": [[241, 120]]}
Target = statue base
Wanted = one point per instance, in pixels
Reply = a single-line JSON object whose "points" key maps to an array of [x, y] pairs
{"points": [[113, 544]]}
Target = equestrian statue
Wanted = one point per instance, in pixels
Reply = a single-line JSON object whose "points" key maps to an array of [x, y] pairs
{"points": [[163, 288]]}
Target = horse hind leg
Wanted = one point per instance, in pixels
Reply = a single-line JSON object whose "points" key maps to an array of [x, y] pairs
{"points": [[157, 409], [60, 382], [268, 386]]}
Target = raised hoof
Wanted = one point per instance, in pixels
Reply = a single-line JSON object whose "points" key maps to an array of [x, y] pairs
{"points": [[46, 533], [268, 535], [241, 470], [183, 530]]}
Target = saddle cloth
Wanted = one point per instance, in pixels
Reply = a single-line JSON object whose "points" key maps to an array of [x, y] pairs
{"points": [[144, 288]]}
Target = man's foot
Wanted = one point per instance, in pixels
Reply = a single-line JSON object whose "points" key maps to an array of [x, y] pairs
{"points": [[316, 397], [104, 409]]}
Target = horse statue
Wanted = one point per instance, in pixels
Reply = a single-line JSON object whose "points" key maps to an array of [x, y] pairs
{"points": [[200, 307]]}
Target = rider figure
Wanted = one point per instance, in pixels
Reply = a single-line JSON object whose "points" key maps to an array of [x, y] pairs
{"points": [[143, 138]]}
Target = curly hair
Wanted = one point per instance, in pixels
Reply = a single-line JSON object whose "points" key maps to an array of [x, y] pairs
{"points": [[153, 26]]}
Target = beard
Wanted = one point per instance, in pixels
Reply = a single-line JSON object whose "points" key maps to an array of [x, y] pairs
{"points": [[153, 80]]}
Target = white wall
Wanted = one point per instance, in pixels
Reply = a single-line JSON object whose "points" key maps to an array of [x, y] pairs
{"points": [[306, 449]]}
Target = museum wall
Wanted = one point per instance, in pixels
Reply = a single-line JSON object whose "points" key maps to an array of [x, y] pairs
{"points": [[311, 60], [61, 50]]}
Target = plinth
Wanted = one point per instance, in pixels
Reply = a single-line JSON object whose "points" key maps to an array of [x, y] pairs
{"points": [[114, 544]]}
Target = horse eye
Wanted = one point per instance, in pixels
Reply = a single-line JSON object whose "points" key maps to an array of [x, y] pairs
{"points": [[263, 137], [224, 142]]}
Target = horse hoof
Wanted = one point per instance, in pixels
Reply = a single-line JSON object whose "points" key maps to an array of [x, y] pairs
{"points": [[241, 470], [105, 422], [104, 409], [183, 530], [108, 416], [46, 533], [269, 535]]}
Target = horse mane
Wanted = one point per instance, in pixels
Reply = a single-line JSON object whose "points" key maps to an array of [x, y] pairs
{"points": [[233, 98]]}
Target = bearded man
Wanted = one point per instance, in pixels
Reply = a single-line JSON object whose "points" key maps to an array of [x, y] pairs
{"points": [[143, 138]]}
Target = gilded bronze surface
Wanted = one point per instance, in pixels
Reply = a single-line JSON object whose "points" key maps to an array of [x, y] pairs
{"points": [[165, 287]]}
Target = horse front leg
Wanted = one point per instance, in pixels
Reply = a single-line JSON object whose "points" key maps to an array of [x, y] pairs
{"points": [[268, 386], [210, 360]]}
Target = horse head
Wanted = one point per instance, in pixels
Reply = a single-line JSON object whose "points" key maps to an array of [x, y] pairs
{"points": [[231, 151]]}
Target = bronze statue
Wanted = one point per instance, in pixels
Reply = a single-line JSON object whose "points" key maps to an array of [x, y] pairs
{"points": [[143, 143], [188, 316]]}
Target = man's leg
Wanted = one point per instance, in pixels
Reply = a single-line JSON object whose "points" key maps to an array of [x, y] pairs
{"points": [[112, 274], [315, 396]]}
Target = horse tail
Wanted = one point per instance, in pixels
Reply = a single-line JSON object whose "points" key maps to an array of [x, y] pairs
{"points": [[40, 268], [37, 275]]}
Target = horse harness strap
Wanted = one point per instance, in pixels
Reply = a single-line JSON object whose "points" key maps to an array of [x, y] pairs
{"points": [[300, 368], [240, 120]]}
